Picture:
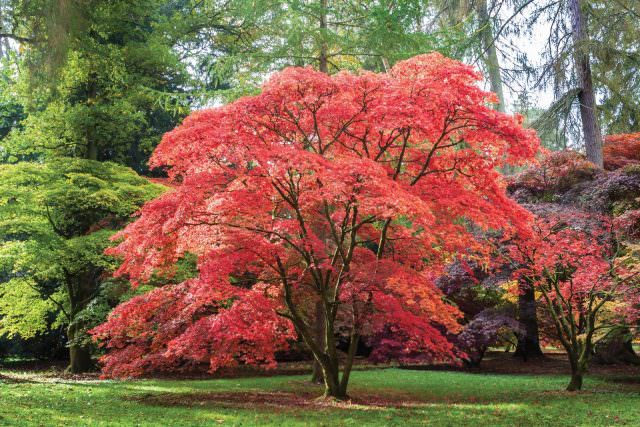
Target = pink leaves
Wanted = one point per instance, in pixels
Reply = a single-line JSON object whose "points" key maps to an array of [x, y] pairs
{"points": [[570, 257], [628, 224], [248, 332], [358, 187]]}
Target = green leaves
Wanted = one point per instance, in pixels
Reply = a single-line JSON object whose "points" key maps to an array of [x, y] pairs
{"points": [[87, 78], [24, 310], [56, 220]]}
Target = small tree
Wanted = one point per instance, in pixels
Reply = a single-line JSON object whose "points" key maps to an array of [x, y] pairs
{"points": [[351, 191], [486, 329], [55, 222], [570, 258]]}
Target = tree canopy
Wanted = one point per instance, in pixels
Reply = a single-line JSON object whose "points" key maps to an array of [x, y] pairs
{"points": [[352, 190], [55, 222]]}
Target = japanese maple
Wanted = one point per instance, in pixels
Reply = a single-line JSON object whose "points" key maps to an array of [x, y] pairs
{"points": [[349, 192], [621, 150], [486, 329], [555, 171], [570, 259]]}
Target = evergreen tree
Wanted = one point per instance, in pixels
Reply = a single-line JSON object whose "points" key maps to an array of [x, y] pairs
{"points": [[90, 74]]}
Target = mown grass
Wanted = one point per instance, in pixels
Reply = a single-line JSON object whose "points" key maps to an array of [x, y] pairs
{"points": [[388, 397]]}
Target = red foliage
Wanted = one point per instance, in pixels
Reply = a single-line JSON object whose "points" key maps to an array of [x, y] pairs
{"points": [[566, 238], [556, 171], [628, 224], [621, 150], [570, 259], [352, 190]]}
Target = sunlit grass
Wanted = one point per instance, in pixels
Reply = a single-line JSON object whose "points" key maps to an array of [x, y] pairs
{"points": [[381, 397]]}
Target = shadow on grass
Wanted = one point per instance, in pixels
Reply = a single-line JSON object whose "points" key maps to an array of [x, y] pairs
{"points": [[302, 399], [629, 380], [380, 398]]}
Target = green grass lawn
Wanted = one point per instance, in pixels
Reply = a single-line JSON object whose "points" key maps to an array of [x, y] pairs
{"points": [[386, 397]]}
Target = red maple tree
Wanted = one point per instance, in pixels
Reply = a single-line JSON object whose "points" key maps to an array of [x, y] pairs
{"points": [[555, 171], [347, 192], [573, 260]]}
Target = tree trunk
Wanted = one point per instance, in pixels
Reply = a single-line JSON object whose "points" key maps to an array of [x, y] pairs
{"points": [[332, 387], [80, 288], [317, 377], [490, 53], [79, 357], [385, 64], [335, 386], [92, 144], [323, 59], [577, 373], [586, 97], [615, 349], [528, 342], [576, 381], [316, 373], [475, 360], [92, 150], [327, 357]]}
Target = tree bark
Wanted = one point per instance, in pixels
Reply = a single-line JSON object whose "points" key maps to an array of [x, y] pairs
{"points": [[80, 288], [576, 381], [92, 144], [616, 349], [586, 97], [490, 53], [332, 389], [578, 367], [79, 356], [323, 60], [528, 342], [316, 373]]}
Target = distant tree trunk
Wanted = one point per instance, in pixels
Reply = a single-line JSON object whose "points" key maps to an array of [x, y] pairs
{"points": [[586, 97], [385, 64], [616, 348], [80, 288], [490, 53], [528, 342], [79, 356], [475, 360], [316, 373], [323, 59]]}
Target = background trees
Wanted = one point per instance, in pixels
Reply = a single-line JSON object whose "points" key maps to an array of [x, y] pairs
{"points": [[583, 36], [56, 222], [97, 70], [217, 50]]}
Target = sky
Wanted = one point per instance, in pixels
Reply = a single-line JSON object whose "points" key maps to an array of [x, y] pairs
{"points": [[533, 44]]}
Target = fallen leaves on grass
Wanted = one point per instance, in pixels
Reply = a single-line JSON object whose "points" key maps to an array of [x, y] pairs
{"points": [[272, 400]]}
